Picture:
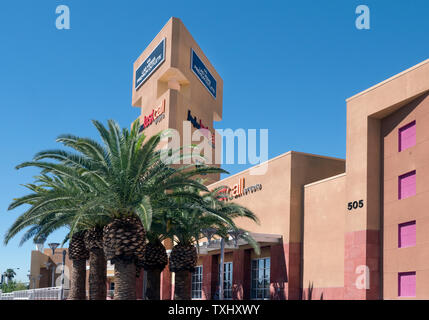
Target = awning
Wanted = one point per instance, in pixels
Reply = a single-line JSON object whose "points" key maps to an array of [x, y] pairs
{"points": [[263, 239]]}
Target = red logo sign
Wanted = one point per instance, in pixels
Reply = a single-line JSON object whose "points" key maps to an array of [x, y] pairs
{"points": [[156, 116]]}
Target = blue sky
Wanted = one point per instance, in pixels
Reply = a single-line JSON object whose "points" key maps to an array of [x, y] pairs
{"points": [[287, 66]]}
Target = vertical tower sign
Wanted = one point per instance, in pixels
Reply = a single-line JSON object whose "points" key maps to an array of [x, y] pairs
{"points": [[152, 62], [176, 87], [203, 74]]}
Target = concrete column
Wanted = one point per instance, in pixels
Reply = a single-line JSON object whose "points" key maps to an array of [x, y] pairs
{"points": [[362, 238]]}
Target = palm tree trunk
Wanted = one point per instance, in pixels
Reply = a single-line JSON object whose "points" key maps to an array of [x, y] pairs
{"points": [[125, 280], [77, 288], [182, 285], [97, 274], [153, 284]]}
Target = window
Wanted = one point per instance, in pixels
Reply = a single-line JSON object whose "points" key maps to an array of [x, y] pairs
{"points": [[197, 282], [407, 234], [261, 279], [407, 284], [407, 136], [407, 185], [227, 280]]}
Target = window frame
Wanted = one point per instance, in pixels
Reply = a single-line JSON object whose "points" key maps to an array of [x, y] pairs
{"points": [[197, 283], [405, 224], [401, 130], [231, 271], [409, 273], [266, 278], [400, 179]]}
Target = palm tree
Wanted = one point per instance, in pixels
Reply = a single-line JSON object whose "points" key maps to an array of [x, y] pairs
{"points": [[97, 263], [186, 225], [78, 254], [9, 274], [60, 202], [157, 225], [214, 200], [154, 256], [120, 177], [154, 261]]}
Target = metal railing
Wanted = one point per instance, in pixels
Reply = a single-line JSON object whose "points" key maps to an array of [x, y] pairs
{"points": [[51, 293]]}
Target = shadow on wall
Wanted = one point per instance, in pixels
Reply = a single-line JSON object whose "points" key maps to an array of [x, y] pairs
{"points": [[399, 115], [310, 292], [279, 275]]}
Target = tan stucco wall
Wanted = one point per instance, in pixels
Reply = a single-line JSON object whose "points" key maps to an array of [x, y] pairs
{"points": [[284, 207], [365, 162], [324, 228], [38, 267], [363, 155], [190, 94], [272, 203], [38, 259], [279, 205], [177, 66], [409, 209], [307, 169]]}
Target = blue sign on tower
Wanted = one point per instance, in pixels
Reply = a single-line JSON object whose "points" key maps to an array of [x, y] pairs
{"points": [[203, 73], [155, 59]]}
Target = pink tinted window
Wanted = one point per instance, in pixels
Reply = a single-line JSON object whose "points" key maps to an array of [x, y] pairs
{"points": [[407, 136], [407, 234], [407, 185], [407, 284]]}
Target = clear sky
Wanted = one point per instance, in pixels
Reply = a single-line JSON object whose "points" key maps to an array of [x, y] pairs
{"points": [[287, 66]]}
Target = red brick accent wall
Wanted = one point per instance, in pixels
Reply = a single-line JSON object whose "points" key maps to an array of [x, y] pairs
{"points": [[241, 274], [46, 279], [362, 248], [210, 276], [166, 288], [285, 271], [139, 285]]}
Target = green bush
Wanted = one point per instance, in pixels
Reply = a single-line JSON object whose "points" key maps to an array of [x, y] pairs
{"points": [[13, 286]]}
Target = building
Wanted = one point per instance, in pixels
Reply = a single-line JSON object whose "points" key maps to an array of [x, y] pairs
{"points": [[330, 228], [46, 268]]}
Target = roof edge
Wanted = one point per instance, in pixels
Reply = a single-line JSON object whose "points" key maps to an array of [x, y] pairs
{"points": [[388, 80]]}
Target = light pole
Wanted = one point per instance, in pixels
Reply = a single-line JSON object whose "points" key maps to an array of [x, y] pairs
{"points": [[62, 274], [209, 233], [53, 246], [235, 234], [222, 256]]}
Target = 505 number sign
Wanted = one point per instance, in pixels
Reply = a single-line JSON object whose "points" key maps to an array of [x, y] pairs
{"points": [[355, 205]]}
